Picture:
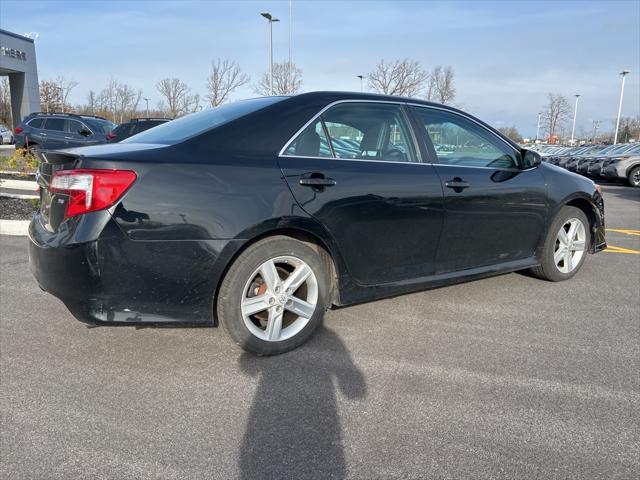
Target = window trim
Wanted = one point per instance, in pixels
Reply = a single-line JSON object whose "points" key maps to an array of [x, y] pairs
{"points": [[407, 119], [433, 153]]}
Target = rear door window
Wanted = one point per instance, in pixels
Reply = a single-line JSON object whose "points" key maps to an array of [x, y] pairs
{"points": [[359, 131], [55, 124]]}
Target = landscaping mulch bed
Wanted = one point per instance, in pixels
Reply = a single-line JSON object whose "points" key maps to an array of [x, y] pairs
{"points": [[16, 209]]}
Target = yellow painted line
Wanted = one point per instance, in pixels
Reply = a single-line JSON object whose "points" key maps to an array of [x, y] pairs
{"points": [[625, 231], [614, 249]]}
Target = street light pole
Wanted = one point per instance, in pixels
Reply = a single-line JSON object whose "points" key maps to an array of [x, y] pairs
{"points": [[538, 127], [361, 77], [147, 102], [624, 73], [271, 19], [575, 114]]}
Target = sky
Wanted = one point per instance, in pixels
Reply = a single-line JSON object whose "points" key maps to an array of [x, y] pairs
{"points": [[507, 55]]}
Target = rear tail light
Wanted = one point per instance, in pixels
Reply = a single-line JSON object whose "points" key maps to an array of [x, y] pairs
{"points": [[91, 190], [111, 136], [17, 130]]}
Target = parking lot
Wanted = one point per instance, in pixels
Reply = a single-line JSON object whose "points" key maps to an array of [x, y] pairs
{"points": [[508, 377]]}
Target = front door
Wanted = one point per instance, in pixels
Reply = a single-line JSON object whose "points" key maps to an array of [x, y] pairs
{"points": [[495, 211], [356, 170]]}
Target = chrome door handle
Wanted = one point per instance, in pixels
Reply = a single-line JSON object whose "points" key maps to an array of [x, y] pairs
{"points": [[456, 183], [318, 182]]}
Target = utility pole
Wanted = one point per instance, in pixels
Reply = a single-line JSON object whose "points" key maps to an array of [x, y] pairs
{"points": [[624, 73], [538, 127], [575, 114], [147, 102], [596, 125]]}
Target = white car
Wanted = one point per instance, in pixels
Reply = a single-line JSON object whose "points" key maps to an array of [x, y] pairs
{"points": [[6, 135]]}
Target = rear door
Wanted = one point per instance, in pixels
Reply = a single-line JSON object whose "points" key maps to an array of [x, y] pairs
{"points": [[356, 169], [53, 134], [495, 211]]}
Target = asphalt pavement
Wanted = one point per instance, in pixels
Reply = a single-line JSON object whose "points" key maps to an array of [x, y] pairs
{"points": [[507, 377]]}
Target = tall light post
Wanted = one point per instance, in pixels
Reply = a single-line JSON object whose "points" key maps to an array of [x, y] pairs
{"points": [[538, 127], [361, 77], [147, 102], [575, 114], [624, 73], [271, 19]]}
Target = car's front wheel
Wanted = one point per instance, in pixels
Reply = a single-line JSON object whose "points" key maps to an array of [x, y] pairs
{"points": [[565, 247], [634, 177], [274, 295]]}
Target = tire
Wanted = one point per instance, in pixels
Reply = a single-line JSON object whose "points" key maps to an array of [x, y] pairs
{"points": [[634, 177], [1, 140], [250, 301], [566, 267]]}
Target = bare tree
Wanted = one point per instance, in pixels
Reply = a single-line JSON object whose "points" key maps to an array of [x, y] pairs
{"points": [[401, 77], [555, 114], [92, 102], [5, 102], [287, 79], [178, 96], [629, 129], [66, 86], [512, 133], [440, 87], [50, 96], [225, 77]]}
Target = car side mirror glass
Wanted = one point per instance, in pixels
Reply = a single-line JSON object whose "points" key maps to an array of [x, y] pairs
{"points": [[530, 159]]}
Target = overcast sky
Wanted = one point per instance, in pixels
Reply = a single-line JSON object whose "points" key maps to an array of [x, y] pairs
{"points": [[507, 55]]}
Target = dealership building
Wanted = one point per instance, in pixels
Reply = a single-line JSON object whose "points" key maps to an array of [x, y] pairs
{"points": [[18, 62]]}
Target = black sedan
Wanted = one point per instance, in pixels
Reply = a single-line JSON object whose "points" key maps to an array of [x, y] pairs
{"points": [[263, 213]]}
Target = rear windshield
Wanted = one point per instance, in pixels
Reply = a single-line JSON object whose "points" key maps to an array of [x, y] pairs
{"points": [[191, 125]]}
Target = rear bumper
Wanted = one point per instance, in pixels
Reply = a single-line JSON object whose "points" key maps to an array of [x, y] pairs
{"points": [[113, 280]]}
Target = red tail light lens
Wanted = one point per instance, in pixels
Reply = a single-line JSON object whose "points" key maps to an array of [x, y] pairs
{"points": [[111, 136], [17, 130], [91, 190]]}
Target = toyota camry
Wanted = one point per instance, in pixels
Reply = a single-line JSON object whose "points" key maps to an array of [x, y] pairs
{"points": [[261, 214]]}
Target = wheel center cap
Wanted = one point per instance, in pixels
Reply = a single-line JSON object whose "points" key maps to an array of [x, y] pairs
{"points": [[282, 299]]}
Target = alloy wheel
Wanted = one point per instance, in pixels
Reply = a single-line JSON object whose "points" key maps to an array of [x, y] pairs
{"points": [[570, 245], [279, 298], [635, 177]]}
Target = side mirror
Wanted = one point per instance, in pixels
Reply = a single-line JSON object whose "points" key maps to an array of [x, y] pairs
{"points": [[530, 159], [84, 132]]}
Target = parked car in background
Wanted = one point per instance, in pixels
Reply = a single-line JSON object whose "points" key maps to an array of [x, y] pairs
{"points": [[624, 166], [133, 127], [54, 131], [252, 215], [6, 135]]}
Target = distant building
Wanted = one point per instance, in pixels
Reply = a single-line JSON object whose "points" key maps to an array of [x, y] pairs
{"points": [[18, 62]]}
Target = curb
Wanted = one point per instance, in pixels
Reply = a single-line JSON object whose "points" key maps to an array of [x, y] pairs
{"points": [[18, 184], [14, 227]]}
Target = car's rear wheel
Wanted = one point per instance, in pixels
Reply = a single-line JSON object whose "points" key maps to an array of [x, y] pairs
{"points": [[565, 247], [634, 177], [274, 295]]}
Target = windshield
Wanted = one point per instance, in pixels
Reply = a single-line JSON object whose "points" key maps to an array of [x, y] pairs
{"points": [[195, 123]]}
